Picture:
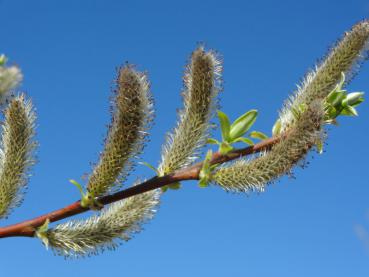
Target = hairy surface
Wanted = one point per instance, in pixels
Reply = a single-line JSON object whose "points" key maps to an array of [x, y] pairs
{"points": [[346, 57], [243, 176], [201, 86], [120, 221], [304, 131], [132, 115], [16, 152]]}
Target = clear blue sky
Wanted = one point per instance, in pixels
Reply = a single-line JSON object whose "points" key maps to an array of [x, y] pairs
{"points": [[69, 50]]}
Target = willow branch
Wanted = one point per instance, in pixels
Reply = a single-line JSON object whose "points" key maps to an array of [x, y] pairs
{"points": [[27, 228]]}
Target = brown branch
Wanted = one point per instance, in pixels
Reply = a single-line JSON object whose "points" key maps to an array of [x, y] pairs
{"points": [[27, 228]]}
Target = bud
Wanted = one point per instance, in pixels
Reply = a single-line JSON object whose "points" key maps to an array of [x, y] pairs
{"points": [[353, 99]]}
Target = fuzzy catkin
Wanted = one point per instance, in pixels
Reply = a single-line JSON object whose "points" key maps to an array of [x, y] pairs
{"points": [[346, 56], [120, 221], [16, 152], [243, 176], [304, 131], [132, 115], [201, 87]]}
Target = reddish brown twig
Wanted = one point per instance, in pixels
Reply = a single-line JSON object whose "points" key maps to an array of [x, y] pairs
{"points": [[27, 228]]}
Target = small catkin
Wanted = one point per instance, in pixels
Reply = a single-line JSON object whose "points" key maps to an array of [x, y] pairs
{"points": [[254, 175], [118, 222], [16, 152], [132, 115], [201, 87], [350, 51]]}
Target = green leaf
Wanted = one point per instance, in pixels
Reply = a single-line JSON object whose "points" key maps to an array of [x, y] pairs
{"points": [[354, 98], [205, 171], [44, 227], [349, 111], [87, 199], [277, 128], [213, 141], [150, 166], [203, 183], [242, 124], [78, 185], [331, 112], [41, 233], [174, 186], [319, 147], [224, 125], [332, 121], [3, 60], [335, 98], [244, 140], [258, 135], [358, 102]]}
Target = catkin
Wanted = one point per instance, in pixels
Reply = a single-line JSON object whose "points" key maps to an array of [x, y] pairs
{"points": [[302, 132], [116, 223], [16, 152], [132, 115], [201, 87], [350, 51]]}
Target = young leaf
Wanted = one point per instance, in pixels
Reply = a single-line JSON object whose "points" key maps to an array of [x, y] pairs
{"points": [[243, 124], [150, 166], [41, 233], [331, 112], [349, 111], [247, 175], [87, 199], [225, 125], [213, 141], [354, 98], [78, 185], [319, 147], [2, 59], [358, 102], [258, 135], [205, 170], [244, 140], [335, 98], [277, 128]]}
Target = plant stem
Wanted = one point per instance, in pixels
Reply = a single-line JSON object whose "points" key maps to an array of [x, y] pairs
{"points": [[27, 228]]}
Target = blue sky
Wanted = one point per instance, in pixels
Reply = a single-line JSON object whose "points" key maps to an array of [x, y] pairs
{"points": [[69, 52]]}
